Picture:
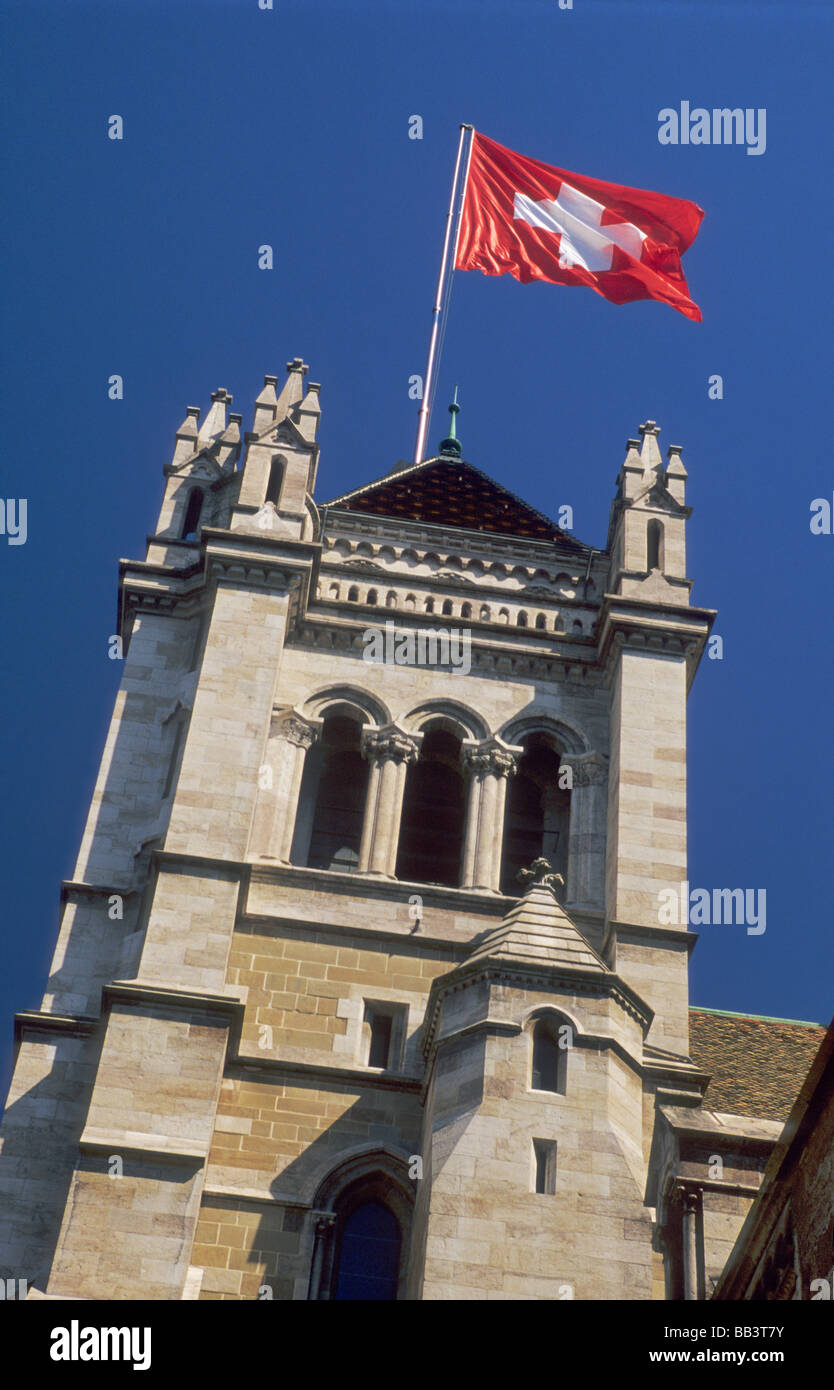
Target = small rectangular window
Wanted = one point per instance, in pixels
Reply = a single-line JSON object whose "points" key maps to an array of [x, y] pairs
{"points": [[544, 1166], [384, 1034], [380, 1047]]}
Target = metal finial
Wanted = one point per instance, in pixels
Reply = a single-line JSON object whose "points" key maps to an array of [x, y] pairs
{"points": [[451, 444]]}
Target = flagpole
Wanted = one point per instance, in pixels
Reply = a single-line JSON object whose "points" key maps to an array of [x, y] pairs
{"points": [[444, 284]]}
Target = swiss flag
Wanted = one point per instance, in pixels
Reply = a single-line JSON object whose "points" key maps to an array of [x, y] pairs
{"points": [[539, 223]]}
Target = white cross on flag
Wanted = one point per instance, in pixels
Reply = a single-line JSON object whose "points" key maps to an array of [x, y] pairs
{"points": [[536, 222]]}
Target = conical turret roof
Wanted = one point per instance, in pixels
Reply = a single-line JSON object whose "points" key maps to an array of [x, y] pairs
{"points": [[538, 931]]}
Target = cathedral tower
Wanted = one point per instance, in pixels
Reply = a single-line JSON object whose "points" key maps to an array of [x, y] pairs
{"points": [[362, 950]]}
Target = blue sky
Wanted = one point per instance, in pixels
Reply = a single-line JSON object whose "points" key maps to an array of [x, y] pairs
{"points": [[245, 126]]}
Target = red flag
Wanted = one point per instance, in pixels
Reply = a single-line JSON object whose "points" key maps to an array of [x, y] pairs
{"points": [[539, 223]]}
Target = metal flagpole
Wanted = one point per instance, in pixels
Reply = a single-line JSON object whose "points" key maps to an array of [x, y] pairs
{"points": [[444, 283]]}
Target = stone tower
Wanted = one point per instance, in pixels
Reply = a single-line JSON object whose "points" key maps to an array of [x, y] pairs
{"points": [[306, 1034]]}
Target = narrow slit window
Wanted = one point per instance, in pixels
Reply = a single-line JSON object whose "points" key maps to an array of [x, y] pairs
{"points": [[276, 478], [544, 1166]]}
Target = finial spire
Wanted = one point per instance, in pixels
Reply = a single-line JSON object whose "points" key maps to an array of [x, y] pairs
{"points": [[451, 444]]}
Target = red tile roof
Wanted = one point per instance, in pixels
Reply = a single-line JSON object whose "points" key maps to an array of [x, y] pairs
{"points": [[757, 1064], [451, 492]]}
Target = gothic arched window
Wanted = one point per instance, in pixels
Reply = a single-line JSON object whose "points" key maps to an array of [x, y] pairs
{"points": [[431, 830], [537, 814], [332, 799], [193, 511], [549, 1056], [367, 1265]]}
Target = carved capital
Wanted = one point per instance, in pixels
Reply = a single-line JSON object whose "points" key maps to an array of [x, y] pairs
{"points": [[587, 769], [490, 759], [389, 745], [323, 1222], [296, 730]]}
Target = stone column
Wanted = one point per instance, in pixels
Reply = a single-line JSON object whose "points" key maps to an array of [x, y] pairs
{"points": [[291, 735], [586, 840], [489, 765], [692, 1280], [324, 1223], [389, 751]]}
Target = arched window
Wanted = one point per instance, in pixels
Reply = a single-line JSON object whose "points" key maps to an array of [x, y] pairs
{"points": [[503, 615], [196, 497], [654, 545], [537, 814], [333, 591], [332, 799], [276, 478], [549, 1055], [367, 1264], [521, 620], [447, 607], [410, 602], [362, 1252], [577, 626], [372, 597], [353, 594], [541, 622], [485, 613], [431, 832], [391, 600], [466, 610], [429, 605]]}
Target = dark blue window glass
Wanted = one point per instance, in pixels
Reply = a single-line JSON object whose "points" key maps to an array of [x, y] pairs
{"points": [[369, 1257]]}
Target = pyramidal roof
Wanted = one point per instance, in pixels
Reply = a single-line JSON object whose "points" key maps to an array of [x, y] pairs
{"points": [[448, 491], [538, 931]]}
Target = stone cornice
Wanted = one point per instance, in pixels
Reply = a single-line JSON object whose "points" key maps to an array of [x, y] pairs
{"points": [[658, 629], [572, 662], [226, 1008], [321, 1071], [37, 1021], [656, 935], [137, 1144], [436, 534], [527, 975], [217, 1193], [457, 899], [72, 888], [262, 923]]}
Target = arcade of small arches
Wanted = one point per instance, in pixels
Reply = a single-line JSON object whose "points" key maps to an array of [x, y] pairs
{"points": [[434, 799], [465, 611]]}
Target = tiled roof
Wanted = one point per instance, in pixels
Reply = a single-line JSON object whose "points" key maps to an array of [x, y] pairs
{"points": [[451, 492], [757, 1064]]}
